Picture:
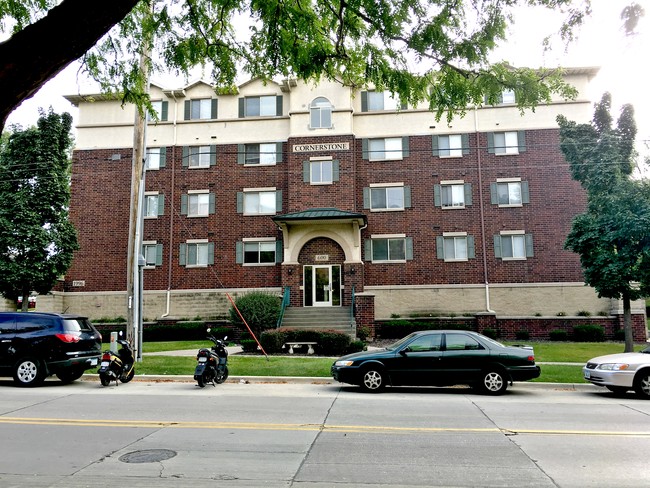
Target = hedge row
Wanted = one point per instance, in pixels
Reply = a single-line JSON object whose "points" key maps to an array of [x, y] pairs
{"points": [[396, 329], [328, 342], [179, 331]]}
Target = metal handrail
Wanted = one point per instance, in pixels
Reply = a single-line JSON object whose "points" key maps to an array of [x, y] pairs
{"points": [[285, 303], [352, 306]]}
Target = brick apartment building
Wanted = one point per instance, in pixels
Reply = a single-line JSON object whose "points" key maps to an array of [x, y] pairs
{"points": [[333, 195]]}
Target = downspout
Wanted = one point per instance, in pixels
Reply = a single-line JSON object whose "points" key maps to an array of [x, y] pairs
{"points": [[171, 214], [480, 193]]}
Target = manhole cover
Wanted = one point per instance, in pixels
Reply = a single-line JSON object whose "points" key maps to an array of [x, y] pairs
{"points": [[148, 456]]}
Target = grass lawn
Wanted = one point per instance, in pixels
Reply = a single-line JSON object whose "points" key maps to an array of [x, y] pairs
{"points": [[571, 352]]}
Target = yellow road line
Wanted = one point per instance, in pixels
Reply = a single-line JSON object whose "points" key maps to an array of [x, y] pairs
{"points": [[159, 424]]}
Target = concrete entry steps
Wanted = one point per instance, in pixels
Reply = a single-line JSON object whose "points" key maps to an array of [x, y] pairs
{"points": [[330, 318]]}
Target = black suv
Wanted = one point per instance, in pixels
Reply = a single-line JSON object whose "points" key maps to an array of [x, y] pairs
{"points": [[35, 345]]}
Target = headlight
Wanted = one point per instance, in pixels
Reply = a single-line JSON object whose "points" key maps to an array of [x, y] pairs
{"points": [[613, 366], [343, 363]]}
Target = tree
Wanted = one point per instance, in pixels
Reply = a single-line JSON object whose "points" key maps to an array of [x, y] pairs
{"points": [[36, 238], [613, 236], [433, 50]]}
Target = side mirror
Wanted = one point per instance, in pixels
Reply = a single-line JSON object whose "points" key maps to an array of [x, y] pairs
{"points": [[225, 337], [404, 351]]}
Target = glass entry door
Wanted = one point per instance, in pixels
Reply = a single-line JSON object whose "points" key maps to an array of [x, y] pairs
{"points": [[322, 286]]}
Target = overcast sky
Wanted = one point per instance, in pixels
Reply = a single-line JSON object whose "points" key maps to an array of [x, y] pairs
{"points": [[622, 61]]}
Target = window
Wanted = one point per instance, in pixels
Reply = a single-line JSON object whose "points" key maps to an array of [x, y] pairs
{"points": [[389, 248], [391, 148], [426, 343], [377, 100], [161, 109], [320, 114], [199, 156], [452, 194], [455, 246], [387, 197], [513, 245], [266, 106], [155, 158], [259, 202], [201, 109], [259, 251], [154, 205], [320, 171], [461, 342], [506, 142], [197, 203], [508, 96], [450, 146], [152, 253], [198, 252], [262, 154], [509, 192]]}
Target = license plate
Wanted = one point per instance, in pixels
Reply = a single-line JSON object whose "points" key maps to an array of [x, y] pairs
{"points": [[587, 374], [105, 364], [202, 360], [93, 362]]}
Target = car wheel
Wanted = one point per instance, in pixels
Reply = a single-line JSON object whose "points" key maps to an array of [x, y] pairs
{"points": [[642, 384], [373, 380], [28, 372], [70, 375], [617, 390], [493, 382]]}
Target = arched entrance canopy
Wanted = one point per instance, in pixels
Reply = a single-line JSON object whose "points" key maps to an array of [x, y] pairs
{"points": [[340, 226]]}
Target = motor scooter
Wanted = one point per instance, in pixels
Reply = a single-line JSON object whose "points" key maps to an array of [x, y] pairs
{"points": [[117, 366], [212, 364]]}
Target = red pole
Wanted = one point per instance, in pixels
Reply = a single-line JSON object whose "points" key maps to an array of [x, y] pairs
{"points": [[246, 324]]}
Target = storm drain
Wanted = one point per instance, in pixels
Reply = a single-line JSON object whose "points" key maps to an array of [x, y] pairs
{"points": [[148, 456]]}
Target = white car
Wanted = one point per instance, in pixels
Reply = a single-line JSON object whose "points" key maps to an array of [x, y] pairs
{"points": [[621, 372]]}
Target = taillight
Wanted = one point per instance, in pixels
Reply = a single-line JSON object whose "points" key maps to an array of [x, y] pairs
{"points": [[106, 356], [67, 337], [531, 359]]}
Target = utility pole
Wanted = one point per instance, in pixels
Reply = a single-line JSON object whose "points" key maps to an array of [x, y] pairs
{"points": [[134, 275]]}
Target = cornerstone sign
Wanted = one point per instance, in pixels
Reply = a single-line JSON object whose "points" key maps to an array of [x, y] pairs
{"points": [[327, 146]]}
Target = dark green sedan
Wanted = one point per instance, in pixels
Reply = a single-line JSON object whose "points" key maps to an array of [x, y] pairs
{"points": [[439, 358]]}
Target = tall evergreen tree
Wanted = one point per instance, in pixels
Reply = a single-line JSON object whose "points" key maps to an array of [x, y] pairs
{"points": [[613, 236], [36, 238]]}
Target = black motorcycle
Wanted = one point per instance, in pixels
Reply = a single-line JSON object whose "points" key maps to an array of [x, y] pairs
{"points": [[117, 366], [212, 364]]}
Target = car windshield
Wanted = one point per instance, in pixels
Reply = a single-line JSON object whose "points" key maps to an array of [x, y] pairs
{"points": [[76, 325], [401, 342]]}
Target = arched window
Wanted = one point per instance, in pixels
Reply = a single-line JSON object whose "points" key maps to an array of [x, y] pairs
{"points": [[320, 112]]}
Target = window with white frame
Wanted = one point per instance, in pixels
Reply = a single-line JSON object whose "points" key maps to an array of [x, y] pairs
{"points": [[199, 156], [197, 203], [452, 194], [455, 246], [513, 245], [259, 201], [263, 106], [506, 142], [378, 100], [258, 251], [320, 114], [155, 158], [321, 172], [393, 248], [160, 108], [509, 193], [450, 146], [389, 148], [508, 96], [152, 253], [153, 205], [196, 253], [201, 109], [267, 153], [387, 196]]}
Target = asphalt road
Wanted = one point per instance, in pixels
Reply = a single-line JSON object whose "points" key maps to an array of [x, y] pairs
{"points": [[174, 434]]}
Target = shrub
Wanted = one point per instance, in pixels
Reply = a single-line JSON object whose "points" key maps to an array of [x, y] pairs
{"points": [[561, 314], [260, 310], [356, 346], [522, 335], [583, 313], [619, 335], [333, 343], [249, 345], [588, 333], [491, 333], [272, 340], [363, 333], [558, 335]]}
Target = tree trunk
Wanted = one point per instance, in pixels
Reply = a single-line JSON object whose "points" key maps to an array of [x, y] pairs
{"points": [[25, 305], [627, 323], [40, 51]]}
